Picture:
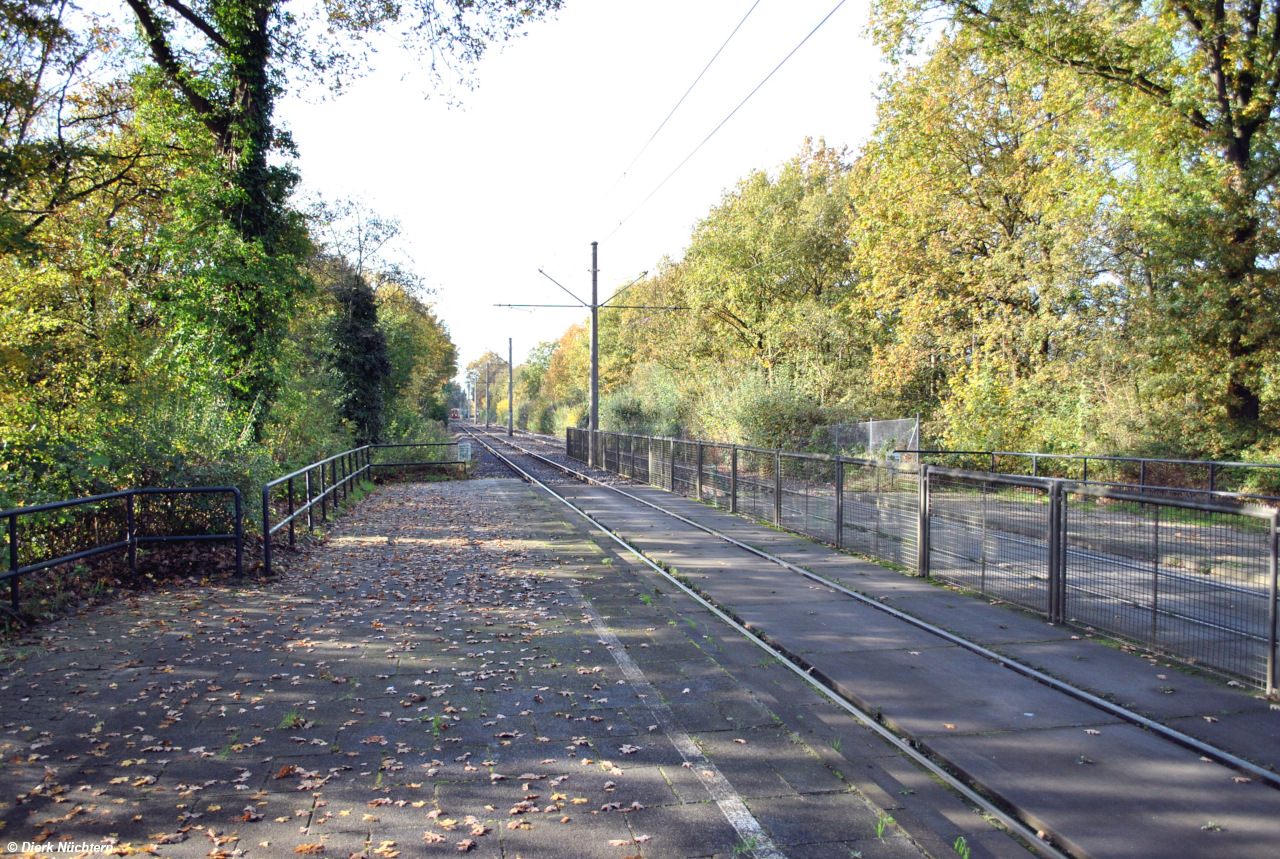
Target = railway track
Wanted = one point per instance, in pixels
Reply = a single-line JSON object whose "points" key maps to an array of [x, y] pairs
{"points": [[549, 466]]}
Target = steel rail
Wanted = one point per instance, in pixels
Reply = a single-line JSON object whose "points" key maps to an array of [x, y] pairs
{"points": [[1220, 755], [1026, 833]]}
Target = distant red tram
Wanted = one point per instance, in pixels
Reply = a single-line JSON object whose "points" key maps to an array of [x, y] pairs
{"points": [[454, 413]]}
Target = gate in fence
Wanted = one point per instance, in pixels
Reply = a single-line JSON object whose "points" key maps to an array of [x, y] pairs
{"points": [[1191, 577]]}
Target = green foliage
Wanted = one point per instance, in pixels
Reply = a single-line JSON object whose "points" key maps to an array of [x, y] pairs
{"points": [[359, 357]]}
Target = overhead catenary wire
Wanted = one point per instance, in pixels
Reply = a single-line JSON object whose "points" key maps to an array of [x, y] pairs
{"points": [[749, 95], [673, 110]]}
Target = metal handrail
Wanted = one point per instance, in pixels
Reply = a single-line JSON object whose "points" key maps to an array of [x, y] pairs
{"points": [[131, 541], [353, 463], [1214, 466]]}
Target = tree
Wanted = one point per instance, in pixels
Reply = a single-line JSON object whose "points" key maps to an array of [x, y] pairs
{"points": [[56, 117], [1196, 88], [766, 268], [228, 60], [986, 238], [359, 357]]}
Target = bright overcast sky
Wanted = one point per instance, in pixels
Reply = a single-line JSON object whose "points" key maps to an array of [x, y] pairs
{"points": [[528, 170]]}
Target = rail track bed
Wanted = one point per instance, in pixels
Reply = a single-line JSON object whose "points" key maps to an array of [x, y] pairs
{"points": [[1103, 753]]}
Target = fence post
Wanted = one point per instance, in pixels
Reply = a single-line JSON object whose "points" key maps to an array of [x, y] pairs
{"points": [[324, 498], [292, 541], [131, 533], [239, 534], [839, 502], [697, 484], [1272, 680], [1057, 613], [1155, 577], [922, 520], [777, 488], [266, 526], [733, 479], [13, 562]]}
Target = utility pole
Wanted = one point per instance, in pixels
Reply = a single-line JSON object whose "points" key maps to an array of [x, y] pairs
{"points": [[511, 388], [595, 307], [486, 394], [594, 422]]}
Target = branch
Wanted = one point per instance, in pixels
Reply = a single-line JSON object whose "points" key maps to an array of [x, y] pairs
{"points": [[169, 64], [199, 23]]}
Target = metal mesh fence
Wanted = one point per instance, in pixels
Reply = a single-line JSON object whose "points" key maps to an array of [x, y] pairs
{"points": [[808, 500], [756, 483], [717, 474], [684, 468], [1185, 574], [871, 439], [881, 511], [991, 536], [1193, 581]]}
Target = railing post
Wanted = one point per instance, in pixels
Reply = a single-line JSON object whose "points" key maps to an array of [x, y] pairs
{"points": [[1057, 613], [292, 540], [131, 534], [840, 502], [1272, 680], [324, 498], [1155, 577], [13, 562], [311, 525], [777, 488], [266, 526], [733, 479], [697, 482], [239, 502], [922, 520], [1213, 475]]}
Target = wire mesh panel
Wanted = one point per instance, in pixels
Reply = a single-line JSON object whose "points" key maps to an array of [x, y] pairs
{"points": [[684, 468], [1191, 580], [871, 438], [574, 444], [881, 511], [609, 441], [640, 458], [809, 496], [659, 466], [756, 482], [717, 480], [990, 535]]}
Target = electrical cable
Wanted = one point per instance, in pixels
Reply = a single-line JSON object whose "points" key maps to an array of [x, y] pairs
{"points": [[725, 120], [686, 93]]}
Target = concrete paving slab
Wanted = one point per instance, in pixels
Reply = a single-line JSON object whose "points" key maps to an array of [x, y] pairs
{"points": [[1122, 792], [924, 692], [1150, 687]]}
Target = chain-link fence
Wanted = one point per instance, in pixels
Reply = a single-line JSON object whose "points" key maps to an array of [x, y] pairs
{"points": [[871, 439], [1187, 574]]}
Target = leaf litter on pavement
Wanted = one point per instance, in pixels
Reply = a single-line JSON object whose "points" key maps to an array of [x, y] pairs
{"points": [[422, 669]]}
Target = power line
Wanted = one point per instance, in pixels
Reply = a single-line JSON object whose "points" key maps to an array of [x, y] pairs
{"points": [[686, 92], [726, 119]]}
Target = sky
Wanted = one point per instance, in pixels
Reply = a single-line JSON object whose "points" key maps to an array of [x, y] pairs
{"points": [[525, 170]]}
